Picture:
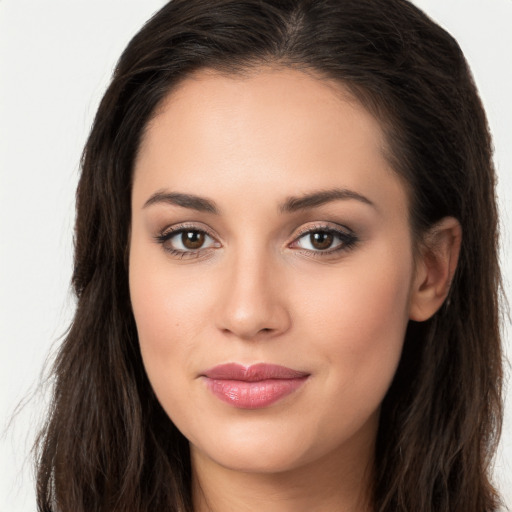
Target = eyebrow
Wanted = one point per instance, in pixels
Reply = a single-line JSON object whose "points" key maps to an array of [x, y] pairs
{"points": [[292, 204], [315, 199], [201, 204]]}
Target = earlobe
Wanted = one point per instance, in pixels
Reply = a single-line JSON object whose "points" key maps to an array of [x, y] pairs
{"points": [[435, 268]]}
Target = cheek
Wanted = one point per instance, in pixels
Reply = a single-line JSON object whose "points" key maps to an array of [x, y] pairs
{"points": [[358, 301], [170, 311], [163, 310], [359, 322], [168, 299], [173, 312]]}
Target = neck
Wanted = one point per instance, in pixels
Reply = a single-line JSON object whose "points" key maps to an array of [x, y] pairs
{"points": [[339, 482]]}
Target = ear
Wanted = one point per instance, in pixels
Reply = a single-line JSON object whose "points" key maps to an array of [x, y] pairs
{"points": [[435, 266]]}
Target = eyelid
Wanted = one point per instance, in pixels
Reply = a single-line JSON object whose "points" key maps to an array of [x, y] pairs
{"points": [[183, 226], [348, 238], [323, 226], [170, 232]]}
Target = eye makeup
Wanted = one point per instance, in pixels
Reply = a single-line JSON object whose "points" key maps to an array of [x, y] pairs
{"points": [[323, 240], [189, 240]]}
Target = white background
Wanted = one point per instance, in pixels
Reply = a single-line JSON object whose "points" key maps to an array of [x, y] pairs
{"points": [[55, 61]]}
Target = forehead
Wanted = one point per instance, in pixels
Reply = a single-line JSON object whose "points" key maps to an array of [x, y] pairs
{"points": [[256, 100], [277, 130]]}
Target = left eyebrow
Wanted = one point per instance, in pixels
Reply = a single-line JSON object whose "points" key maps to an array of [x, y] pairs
{"points": [[315, 199]]}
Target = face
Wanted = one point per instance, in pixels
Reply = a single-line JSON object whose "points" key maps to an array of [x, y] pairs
{"points": [[270, 268]]}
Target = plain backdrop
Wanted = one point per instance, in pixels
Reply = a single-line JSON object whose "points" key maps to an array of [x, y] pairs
{"points": [[56, 58]]}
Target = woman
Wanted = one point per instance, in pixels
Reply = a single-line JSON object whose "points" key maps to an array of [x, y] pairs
{"points": [[286, 271]]}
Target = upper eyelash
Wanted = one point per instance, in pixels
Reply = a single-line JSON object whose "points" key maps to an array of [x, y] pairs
{"points": [[348, 236], [168, 233]]}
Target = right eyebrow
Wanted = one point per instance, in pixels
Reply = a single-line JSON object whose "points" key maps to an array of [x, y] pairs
{"points": [[201, 204]]}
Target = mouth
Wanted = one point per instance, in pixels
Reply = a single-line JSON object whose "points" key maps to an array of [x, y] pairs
{"points": [[252, 387]]}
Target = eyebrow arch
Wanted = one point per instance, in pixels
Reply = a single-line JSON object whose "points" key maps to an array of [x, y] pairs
{"points": [[292, 204], [191, 201], [315, 199]]}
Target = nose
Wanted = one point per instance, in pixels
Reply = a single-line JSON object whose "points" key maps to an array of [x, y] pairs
{"points": [[252, 304]]}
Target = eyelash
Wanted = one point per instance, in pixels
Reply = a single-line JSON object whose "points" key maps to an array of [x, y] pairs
{"points": [[346, 237], [170, 233]]}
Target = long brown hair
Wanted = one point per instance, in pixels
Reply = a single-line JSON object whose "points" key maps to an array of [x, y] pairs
{"points": [[107, 444]]}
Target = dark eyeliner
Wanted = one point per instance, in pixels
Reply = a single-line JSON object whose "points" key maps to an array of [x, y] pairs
{"points": [[170, 232], [347, 237]]}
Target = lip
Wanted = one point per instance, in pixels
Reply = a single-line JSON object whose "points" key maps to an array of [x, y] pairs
{"points": [[255, 386]]}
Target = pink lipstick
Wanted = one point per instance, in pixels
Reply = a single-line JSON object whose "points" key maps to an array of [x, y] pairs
{"points": [[252, 387]]}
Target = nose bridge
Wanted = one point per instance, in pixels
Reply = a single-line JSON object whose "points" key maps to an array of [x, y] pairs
{"points": [[252, 303]]}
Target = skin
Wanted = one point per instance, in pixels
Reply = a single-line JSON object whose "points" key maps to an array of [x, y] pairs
{"points": [[258, 290]]}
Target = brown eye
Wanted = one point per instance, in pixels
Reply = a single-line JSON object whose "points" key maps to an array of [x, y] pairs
{"points": [[321, 240], [186, 241], [328, 240], [192, 239]]}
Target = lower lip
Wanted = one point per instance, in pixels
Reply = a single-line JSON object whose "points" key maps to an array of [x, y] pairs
{"points": [[253, 395]]}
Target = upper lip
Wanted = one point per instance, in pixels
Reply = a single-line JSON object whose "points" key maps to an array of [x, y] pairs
{"points": [[252, 373]]}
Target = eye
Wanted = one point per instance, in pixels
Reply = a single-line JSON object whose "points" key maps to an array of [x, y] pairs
{"points": [[184, 241], [325, 240]]}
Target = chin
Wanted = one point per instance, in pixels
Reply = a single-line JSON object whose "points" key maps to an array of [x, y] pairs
{"points": [[259, 447], [257, 457]]}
